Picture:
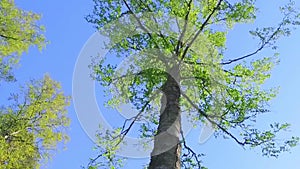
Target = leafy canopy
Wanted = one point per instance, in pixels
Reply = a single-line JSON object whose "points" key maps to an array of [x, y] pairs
{"points": [[223, 90], [36, 121], [33, 124], [18, 31]]}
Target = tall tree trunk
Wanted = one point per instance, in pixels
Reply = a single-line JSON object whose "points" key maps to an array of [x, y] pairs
{"points": [[167, 149]]}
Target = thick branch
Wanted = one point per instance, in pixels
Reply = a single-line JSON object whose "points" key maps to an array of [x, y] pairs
{"points": [[156, 21], [145, 30], [201, 29], [8, 37], [184, 28]]}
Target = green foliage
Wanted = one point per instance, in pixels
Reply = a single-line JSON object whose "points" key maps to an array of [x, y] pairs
{"points": [[33, 125], [107, 158], [19, 30], [223, 90], [36, 121]]}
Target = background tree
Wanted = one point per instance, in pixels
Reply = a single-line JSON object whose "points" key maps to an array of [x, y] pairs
{"points": [[36, 121], [18, 31], [33, 125], [185, 44]]}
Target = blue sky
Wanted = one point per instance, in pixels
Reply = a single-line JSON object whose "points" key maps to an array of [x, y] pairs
{"points": [[67, 32]]}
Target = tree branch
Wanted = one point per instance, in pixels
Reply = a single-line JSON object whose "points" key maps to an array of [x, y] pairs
{"points": [[213, 122], [8, 37], [145, 30], [156, 21], [190, 150], [201, 29], [184, 28], [124, 131], [263, 45]]}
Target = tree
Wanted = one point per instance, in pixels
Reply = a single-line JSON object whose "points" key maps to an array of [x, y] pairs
{"points": [[185, 44], [36, 121], [33, 125], [18, 31]]}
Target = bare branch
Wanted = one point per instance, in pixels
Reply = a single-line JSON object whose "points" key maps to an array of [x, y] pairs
{"points": [[263, 45], [190, 150], [213, 122], [124, 131]]}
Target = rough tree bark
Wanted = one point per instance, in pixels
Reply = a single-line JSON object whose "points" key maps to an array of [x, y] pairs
{"points": [[167, 148]]}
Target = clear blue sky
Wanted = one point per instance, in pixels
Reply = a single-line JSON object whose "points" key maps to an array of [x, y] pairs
{"points": [[67, 32]]}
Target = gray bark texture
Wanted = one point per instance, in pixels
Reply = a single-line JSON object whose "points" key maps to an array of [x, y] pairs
{"points": [[167, 148]]}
